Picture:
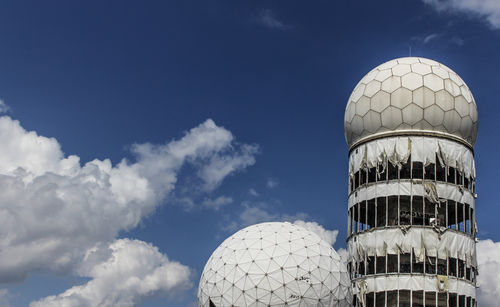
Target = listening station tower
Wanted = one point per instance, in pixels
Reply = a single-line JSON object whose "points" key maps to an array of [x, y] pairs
{"points": [[411, 125]]}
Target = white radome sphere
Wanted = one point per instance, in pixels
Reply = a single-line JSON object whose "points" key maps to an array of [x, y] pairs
{"points": [[274, 264], [411, 94]]}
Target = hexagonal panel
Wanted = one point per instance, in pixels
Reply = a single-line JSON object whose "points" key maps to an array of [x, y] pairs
{"points": [[422, 69], [452, 121], [383, 74], [423, 125], [388, 65], [357, 124], [452, 87], [423, 97], [466, 126], [438, 70], [444, 100], [466, 93], [358, 92], [401, 69], [350, 112], [391, 84], [369, 76], [391, 117], [455, 78], [401, 97], [372, 87], [412, 114], [429, 62], [362, 106], [372, 121], [473, 112], [433, 82], [412, 81], [380, 101], [408, 60], [462, 106], [433, 115]]}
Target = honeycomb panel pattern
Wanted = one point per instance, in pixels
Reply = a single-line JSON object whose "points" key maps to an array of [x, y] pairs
{"points": [[274, 264], [411, 94]]}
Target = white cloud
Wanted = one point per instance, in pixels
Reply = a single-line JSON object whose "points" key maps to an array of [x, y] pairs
{"points": [[131, 271], [488, 258], [216, 204], [253, 192], [487, 9], [4, 298], [269, 20], [429, 38], [272, 183], [4, 108], [329, 236], [223, 164], [53, 209]]}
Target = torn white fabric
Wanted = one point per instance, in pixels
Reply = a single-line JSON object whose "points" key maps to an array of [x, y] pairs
{"points": [[417, 283], [412, 187], [397, 150], [391, 241]]}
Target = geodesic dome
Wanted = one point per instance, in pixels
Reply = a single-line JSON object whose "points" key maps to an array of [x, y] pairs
{"points": [[274, 264], [410, 94]]}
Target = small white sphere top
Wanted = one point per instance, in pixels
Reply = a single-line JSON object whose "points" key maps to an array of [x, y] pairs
{"points": [[409, 95], [274, 264]]}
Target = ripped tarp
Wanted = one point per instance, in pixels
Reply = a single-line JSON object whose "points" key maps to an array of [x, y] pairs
{"points": [[432, 191], [418, 240], [397, 150], [417, 283]]}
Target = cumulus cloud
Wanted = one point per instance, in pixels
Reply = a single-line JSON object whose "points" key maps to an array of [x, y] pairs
{"points": [[272, 183], [253, 192], [53, 209], [488, 258], [269, 20], [130, 271], [217, 203], [4, 108], [486, 9], [259, 212], [329, 236]]}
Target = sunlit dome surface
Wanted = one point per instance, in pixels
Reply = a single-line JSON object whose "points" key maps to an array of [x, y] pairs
{"points": [[411, 94], [274, 264]]}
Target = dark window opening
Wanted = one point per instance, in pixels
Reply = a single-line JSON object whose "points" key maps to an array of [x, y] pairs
{"points": [[460, 216], [417, 210], [417, 267], [467, 219], [392, 210], [370, 297], [461, 301], [404, 210], [430, 265], [430, 213], [405, 261], [418, 299], [452, 217], [362, 216], [442, 266], [381, 211], [393, 171], [392, 263], [452, 267], [430, 172], [356, 180], [442, 299], [430, 299], [392, 298], [371, 212], [404, 298], [355, 218], [364, 176], [461, 268], [450, 178], [372, 174], [417, 171], [370, 265], [380, 299], [405, 171], [361, 268], [452, 299], [380, 265]]}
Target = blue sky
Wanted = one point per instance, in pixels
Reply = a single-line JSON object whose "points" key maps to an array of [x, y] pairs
{"points": [[273, 76]]}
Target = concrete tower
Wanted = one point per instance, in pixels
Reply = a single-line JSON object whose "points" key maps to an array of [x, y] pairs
{"points": [[411, 125]]}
